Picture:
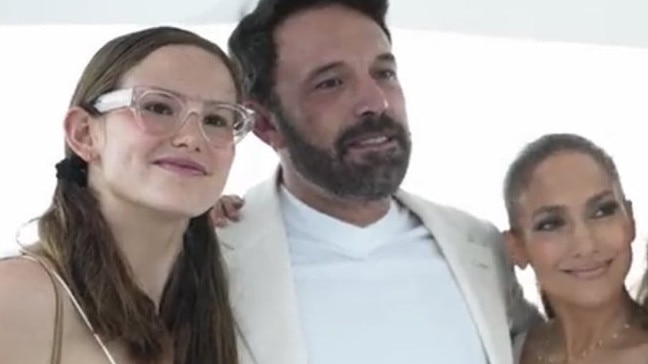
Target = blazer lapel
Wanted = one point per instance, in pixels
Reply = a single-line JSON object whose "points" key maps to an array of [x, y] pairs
{"points": [[262, 286], [470, 263]]}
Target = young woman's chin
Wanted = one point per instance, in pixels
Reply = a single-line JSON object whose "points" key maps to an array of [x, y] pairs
{"points": [[181, 209]]}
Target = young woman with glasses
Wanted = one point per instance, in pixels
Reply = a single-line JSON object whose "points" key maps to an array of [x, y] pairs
{"points": [[127, 268]]}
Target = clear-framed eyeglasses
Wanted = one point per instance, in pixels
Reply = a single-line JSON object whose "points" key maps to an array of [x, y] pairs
{"points": [[163, 113]]}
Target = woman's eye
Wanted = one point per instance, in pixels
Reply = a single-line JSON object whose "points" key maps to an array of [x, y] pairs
{"points": [[549, 224], [607, 209]]}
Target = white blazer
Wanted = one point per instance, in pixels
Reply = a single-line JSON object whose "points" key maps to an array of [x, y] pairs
{"points": [[263, 294]]}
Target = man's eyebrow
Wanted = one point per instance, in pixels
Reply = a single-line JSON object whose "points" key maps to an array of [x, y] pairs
{"points": [[323, 69]]}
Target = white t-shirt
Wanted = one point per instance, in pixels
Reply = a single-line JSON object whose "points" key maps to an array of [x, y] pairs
{"points": [[382, 294]]}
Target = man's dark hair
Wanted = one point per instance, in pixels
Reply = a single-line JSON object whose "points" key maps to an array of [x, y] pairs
{"points": [[253, 47]]}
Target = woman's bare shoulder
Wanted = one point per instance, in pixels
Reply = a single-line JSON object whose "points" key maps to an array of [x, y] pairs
{"points": [[27, 311], [636, 352]]}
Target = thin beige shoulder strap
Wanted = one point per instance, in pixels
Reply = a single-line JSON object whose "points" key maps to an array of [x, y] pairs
{"points": [[57, 343], [58, 329]]}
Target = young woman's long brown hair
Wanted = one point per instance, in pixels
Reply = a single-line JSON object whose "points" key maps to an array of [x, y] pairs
{"points": [[194, 316]]}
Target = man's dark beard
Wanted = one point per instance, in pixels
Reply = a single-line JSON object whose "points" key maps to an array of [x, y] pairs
{"points": [[378, 175]]}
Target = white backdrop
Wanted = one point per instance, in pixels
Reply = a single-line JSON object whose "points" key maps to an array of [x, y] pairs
{"points": [[620, 22], [473, 102]]}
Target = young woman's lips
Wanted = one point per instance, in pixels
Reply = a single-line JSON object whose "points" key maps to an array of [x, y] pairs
{"points": [[182, 166]]}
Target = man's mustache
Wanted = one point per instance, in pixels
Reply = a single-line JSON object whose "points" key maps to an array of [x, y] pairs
{"points": [[381, 124]]}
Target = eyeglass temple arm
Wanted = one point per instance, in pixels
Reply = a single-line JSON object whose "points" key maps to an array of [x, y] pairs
{"points": [[114, 100]]}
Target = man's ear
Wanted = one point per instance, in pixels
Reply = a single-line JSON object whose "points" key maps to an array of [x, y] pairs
{"points": [[78, 133], [515, 249], [266, 127]]}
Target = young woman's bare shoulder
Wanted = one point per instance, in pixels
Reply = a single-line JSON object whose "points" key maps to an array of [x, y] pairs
{"points": [[27, 311]]}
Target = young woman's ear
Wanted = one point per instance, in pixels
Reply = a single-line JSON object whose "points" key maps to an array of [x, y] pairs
{"points": [[515, 249], [78, 133]]}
